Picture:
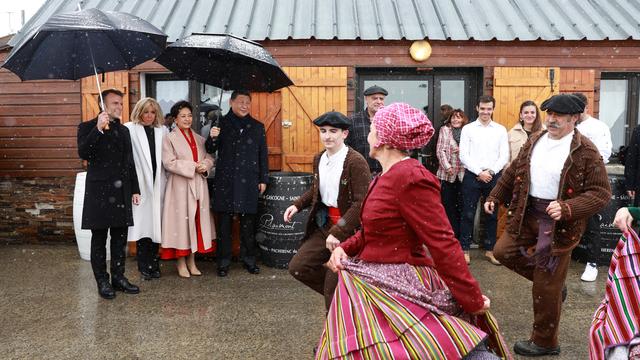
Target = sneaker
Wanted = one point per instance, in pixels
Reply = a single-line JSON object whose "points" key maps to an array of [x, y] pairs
{"points": [[467, 258], [590, 272]]}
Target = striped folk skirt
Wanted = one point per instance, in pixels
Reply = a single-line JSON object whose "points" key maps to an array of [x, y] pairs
{"points": [[616, 322], [399, 311]]}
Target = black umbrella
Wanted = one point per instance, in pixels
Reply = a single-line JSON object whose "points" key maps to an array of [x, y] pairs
{"points": [[75, 45], [224, 61]]}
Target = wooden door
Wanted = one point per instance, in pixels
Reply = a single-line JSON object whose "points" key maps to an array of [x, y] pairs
{"points": [[582, 81], [267, 108], [113, 80], [316, 91], [513, 85]]}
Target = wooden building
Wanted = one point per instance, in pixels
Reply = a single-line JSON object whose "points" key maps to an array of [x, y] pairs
{"points": [[332, 50]]}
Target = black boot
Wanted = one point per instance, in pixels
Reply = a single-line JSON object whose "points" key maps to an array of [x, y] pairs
{"points": [[122, 284], [155, 260], [529, 348], [252, 268], [105, 290], [143, 255]]}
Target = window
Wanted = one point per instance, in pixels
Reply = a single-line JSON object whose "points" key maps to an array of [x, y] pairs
{"points": [[426, 89], [619, 105], [168, 89]]}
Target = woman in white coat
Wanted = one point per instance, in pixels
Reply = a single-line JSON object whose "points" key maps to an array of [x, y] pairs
{"points": [[186, 220], [147, 134]]}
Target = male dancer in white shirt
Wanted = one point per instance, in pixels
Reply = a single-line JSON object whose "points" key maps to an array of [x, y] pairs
{"points": [[341, 180], [554, 185]]}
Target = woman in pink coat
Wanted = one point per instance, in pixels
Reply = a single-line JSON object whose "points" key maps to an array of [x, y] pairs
{"points": [[186, 220]]}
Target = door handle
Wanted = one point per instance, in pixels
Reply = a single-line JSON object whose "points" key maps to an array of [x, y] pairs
{"points": [[286, 124]]}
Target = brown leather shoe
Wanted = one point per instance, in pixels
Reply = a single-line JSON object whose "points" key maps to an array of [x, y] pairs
{"points": [[491, 258]]}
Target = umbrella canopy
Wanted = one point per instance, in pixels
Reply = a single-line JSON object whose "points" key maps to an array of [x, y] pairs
{"points": [[73, 45], [224, 61]]}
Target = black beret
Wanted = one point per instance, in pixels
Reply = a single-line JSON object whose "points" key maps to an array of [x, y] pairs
{"points": [[563, 104], [375, 89], [333, 118]]}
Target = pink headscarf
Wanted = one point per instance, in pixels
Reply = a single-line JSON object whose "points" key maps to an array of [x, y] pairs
{"points": [[402, 126]]}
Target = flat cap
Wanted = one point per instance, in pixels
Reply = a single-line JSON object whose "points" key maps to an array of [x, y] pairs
{"points": [[375, 89], [563, 104], [333, 118]]}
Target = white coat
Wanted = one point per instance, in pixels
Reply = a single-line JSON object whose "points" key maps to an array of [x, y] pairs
{"points": [[148, 214]]}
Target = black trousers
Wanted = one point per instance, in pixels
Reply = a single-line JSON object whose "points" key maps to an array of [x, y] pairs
{"points": [[147, 254], [451, 194], [99, 252], [472, 190], [248, 245], [592, 239]]}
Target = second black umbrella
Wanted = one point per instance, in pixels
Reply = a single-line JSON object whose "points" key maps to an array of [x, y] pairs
{"points": [[224, 61]]}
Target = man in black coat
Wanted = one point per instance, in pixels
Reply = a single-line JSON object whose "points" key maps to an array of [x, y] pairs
{"points": [[242, 174], [361, 122], [632, 167], [111, 187]]}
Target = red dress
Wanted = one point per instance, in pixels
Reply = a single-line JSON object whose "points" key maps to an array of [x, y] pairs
{"points": [[403, 218], [406, 292], [170, 253]]}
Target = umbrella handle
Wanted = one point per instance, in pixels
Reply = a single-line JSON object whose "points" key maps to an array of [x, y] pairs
{"points": [[95, 72]]}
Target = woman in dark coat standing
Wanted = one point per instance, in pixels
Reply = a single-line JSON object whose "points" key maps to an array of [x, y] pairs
{"points": [[111, 187], [242, 174]]}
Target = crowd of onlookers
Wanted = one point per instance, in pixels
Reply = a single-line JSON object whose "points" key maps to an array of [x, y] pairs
{"points": [[151, 180]]}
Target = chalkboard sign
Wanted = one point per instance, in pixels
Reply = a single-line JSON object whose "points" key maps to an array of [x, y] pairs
{"points": [[608, 231]]}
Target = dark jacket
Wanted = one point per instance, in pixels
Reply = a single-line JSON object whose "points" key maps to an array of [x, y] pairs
{"points": [[357, 139], [111, 175], [354, 183], [632, 165], [242, 164], [583, 191]]}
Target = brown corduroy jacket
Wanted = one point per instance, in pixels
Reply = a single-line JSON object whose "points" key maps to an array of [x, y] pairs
{"points": [[354, 183], [584, 190]]}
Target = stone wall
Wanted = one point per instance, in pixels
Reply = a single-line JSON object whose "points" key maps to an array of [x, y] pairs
{"points": [[37, 210]]}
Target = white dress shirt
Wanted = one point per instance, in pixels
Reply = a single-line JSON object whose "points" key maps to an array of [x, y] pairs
{"points": [[330, 171], [547, 160], [599, 134], [484, 147]]}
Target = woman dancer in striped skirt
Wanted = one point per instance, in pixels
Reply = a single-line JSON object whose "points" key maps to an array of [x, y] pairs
{"points": [[405, 291], [615, 329]]}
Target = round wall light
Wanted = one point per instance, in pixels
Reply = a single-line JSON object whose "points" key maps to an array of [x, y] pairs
{"points": [[420, 50]]}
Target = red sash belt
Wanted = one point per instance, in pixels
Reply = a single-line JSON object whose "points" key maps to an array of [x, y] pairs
{"points": [[334, 215]]}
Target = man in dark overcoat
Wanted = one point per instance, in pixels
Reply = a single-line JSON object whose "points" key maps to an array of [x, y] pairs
{"points": [[111, 188], [242, 174], [361, 122]]}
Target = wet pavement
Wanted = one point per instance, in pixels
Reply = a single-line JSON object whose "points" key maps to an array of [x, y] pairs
{"points": [[50, 309]]}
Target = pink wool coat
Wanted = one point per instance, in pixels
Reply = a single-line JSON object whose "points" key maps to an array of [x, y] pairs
{"points": [[184, 189]]}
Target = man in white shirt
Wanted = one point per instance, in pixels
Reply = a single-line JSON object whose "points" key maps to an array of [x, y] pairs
{"points": [[484, 151], [340, 183], [600, 135], [551, 196]]}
